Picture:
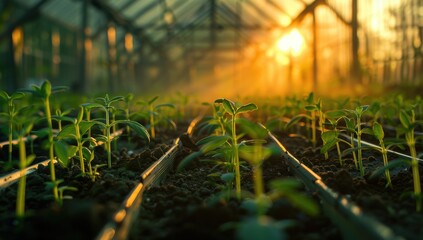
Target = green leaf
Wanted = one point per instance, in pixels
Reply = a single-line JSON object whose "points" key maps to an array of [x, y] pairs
{"points": [[58, 89], [295, 120], [368, 131], [169, 105], [42, 132], [68, 131], [311, 108], [29, 160], [229, 106], [46, 88], [187, 160], [64, 152], [151, 101], [63, 118], [328, 145], [391, 165], [92, 105], [116, 99], [260, 227], [247, 108], [4, 95], [405, 119], [212, 142], [136, 126], [329, 136], [283, 185], [310, 98], [304, 203], [227, 177], [80, 114], [350, 124], [84, 126], [335, 114], [378, 131]]}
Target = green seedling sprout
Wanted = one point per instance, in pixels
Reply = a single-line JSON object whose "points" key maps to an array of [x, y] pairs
{"points": [[380, 134], [330, 137], [234, 109], [59, 115], [128, 101], [153, 112], [10, 115], [358, 130], [89, 156], [76, 130], [255, 155], [61, 190], [24, 162], [409, 123], [106, 105], [44, 92]]}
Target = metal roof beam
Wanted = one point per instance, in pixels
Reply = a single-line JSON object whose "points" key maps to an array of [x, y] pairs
{"points": [[145, 10], [30, 14], [276, 6], [262, 13]]}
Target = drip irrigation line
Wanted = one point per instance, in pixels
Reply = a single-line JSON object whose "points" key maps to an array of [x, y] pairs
{"points": [[378, 147], [119, 226], [350, 219], [8, 179]]}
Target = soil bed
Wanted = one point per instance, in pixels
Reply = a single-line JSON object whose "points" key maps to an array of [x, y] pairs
{"points": [[181, 207], [83, 216], [389, 206]]}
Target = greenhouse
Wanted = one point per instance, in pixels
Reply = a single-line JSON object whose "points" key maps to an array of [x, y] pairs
{"points": [[211, 119]]}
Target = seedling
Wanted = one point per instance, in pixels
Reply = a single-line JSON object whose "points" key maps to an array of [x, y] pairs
{"points": [[128, 101], [44, 92], [234, 109], [409, 123], [10, 115], [380, 134], [24, 162], [59, 115], [106, 105], [153, 112], [75, 131], [358, 130]]}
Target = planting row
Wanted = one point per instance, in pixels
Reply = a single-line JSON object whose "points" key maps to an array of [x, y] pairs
{"points": [[233, 144]]}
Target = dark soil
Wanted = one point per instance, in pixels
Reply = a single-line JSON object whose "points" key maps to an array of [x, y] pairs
{"points": [[392, 207], [182, 207], [91, 206]]}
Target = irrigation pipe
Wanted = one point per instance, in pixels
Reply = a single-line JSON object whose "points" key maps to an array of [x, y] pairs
{"points": [[342, 211], [378, 147], [8, 179]]}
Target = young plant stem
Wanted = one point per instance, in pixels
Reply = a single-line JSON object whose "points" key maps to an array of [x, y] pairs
{"points": [[415, 168], [354, 155], [235, 160], [20, 200], [313, 128], [360, 158], [338, 148], [258, 174], [152, 129], [114, 130], [51, 148], [88, 116], [10, 139], [385, 163], [79, 142], [108, 140]]}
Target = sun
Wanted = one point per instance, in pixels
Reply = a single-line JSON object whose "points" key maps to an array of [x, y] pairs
{"points": [[291, 43]]}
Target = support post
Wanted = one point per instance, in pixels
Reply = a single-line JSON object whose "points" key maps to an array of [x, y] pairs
{"points": [[83, 55], [355, 67], [315, 62]]}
